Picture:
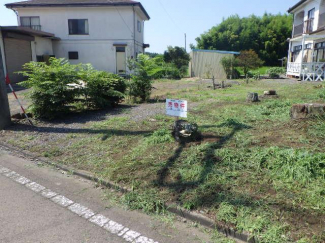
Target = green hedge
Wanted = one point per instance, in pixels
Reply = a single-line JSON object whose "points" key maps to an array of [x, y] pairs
{"points": [[275, 72]]}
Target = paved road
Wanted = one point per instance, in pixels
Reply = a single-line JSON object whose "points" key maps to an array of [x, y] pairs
{"points": [[41, 204]]}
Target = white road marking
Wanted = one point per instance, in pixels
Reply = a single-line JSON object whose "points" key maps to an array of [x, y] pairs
{"points": [[12, 175], [88, 214], [4, 170], [113, 227], [35, 187], [143, 239], [131, 235], [62, 200], [48, 193], [123, 231], [77, 209], [22, 180], [98, 219]]}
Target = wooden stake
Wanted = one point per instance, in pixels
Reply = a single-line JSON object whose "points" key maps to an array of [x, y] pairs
{"points": [[214, 84]]}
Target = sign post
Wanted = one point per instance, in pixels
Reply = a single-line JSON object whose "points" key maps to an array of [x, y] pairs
{"points": [[176, 108]]}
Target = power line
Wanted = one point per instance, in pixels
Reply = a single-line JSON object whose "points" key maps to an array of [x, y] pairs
{"points": [[170, 17], [123, 20]]}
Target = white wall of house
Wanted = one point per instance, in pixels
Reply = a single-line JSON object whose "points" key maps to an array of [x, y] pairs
{"points": [[41, 46], [101, 54], [108, 26]]}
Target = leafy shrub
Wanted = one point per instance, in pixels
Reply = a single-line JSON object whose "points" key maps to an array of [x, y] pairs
{"points": [[249, 60], [50, 93], [229, 64], [253, 75], [145, 69], [179, 57], [52, 96], [102, 89], [275, 72], [172, 72], [167, 70]]}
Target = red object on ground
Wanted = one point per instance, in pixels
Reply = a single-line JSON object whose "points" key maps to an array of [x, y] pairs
{"points": [[14, 93], [7, 79]]}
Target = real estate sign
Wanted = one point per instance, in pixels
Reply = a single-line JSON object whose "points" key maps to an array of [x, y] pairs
{"points": [[176, 108]]}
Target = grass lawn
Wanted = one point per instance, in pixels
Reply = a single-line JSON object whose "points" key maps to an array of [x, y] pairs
{"points": [[255, 169]]}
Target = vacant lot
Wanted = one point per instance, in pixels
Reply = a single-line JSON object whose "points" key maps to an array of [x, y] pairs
{"points": [[254, 170]]}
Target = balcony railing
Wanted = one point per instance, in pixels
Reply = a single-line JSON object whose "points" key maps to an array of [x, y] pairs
{"points": [[304, 28], [308, 71], [298, 30], [294, 68], [34, 27], [309, 26]]}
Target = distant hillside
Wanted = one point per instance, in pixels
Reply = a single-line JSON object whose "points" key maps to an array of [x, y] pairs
{"points": [[267, 35]]}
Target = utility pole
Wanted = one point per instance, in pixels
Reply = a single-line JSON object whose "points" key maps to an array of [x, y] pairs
{"points": [[4, 104], [185, 42]]}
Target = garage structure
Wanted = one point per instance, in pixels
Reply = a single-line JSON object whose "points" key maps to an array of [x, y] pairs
{"points": [[21, 45], [207, 63]]}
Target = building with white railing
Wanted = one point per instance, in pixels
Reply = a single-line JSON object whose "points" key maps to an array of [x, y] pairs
{"points": [[306, 58]]}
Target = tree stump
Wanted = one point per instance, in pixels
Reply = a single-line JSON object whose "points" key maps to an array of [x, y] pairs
{"points": [[252, 97], [184, 131], [304, 111], [270, 94]]}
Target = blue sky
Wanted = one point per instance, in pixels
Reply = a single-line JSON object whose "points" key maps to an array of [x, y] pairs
{"points": [[170, 19]]}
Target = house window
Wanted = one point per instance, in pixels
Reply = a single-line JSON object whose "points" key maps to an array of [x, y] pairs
{"points": [[73, 55], [139, 26], [31, 22], [318, 45], [295, 53], [297, 48], [308, 46], [78, 27], [319, 53], [120, 49]]}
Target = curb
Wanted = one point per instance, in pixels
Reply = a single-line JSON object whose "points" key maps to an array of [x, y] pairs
{"points": [[179, 211]]}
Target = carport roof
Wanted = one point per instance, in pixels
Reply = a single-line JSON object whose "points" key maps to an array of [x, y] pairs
{"points": [[28, 31]]}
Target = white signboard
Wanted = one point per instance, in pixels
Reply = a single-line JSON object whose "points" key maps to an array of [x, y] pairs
{"points": [[176, 108]]}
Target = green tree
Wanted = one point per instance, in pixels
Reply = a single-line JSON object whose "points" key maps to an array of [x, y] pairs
{"points": [[50, 93], [179, 57], [249, 60], [229, 63], [144, 70], [152, 54], [266, 35]]}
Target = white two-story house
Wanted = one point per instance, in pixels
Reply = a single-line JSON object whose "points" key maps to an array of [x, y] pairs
{"points": [[104, 33], [306, 58]]}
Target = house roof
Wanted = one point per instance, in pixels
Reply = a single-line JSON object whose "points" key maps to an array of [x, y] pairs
{"points": [[76, 3], [217, 51], [296, 5], [28, 31]]}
